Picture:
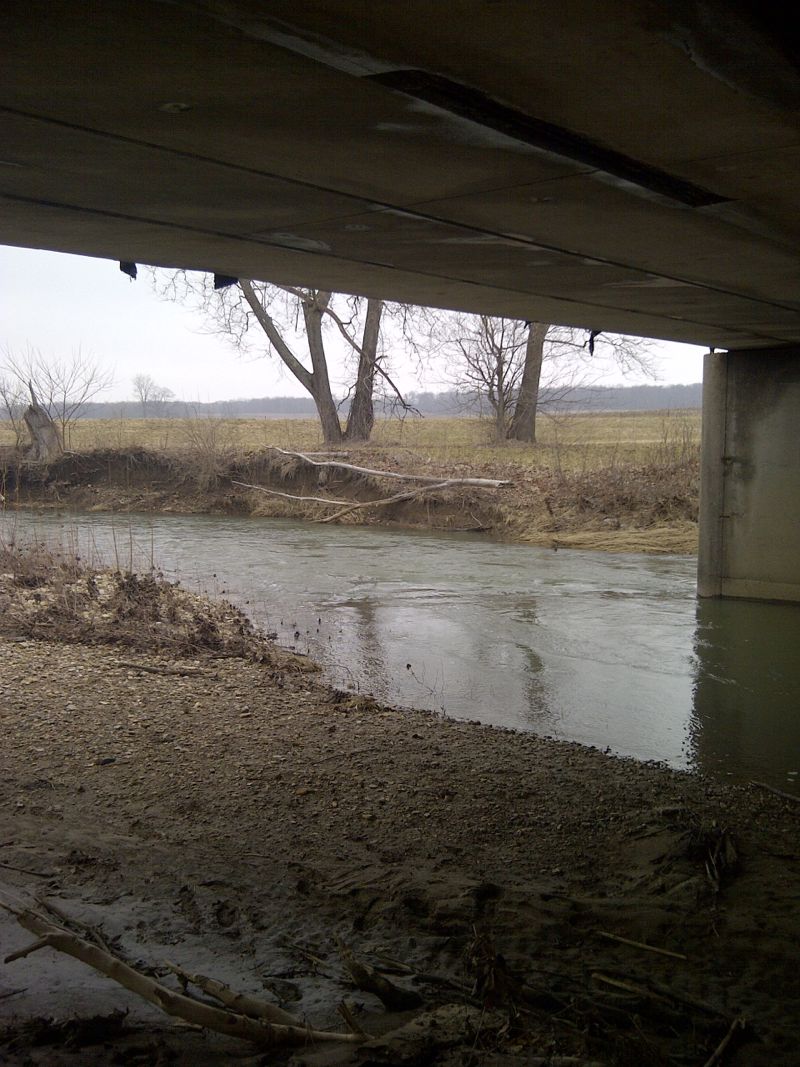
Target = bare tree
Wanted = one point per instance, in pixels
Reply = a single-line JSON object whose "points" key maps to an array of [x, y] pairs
{"points": [[517, 366], [291, 316], [63, 387], [148, 392], [12, 406]]}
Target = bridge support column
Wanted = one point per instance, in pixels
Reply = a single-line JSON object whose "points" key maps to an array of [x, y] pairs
{"points": [[750, 476]]}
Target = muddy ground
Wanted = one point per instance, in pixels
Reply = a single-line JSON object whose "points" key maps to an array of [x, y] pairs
{"points": [[227, 812]]}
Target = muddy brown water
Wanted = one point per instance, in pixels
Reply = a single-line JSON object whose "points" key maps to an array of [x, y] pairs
{"points": [[607, 650]]}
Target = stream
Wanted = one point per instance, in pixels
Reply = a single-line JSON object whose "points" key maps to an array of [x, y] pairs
{"points": [[607, 650]]}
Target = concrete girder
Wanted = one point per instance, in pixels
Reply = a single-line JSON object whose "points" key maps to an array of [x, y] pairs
{"points": [[525, 159]]}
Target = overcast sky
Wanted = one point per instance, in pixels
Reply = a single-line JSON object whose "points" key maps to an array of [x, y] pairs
{"points": [[58, 303]]}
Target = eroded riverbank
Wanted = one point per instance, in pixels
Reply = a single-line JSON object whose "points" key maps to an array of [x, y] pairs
{"points": [[646, 508], [237, 817]]}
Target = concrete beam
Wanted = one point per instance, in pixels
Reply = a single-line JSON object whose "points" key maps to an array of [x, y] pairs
{"points": [[750, 476], [482, 164]]}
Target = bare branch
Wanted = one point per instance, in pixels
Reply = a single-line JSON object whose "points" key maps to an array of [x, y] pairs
{"points": [[267, 324], [290, 496], [62, 386], [241, 1003], [397, 498], [258, 1031], [491, 483]]}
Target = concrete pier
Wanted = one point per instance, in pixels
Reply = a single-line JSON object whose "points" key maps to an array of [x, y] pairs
{"points": [[750, 478]]}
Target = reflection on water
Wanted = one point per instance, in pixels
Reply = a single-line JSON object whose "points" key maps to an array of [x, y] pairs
{"points": [[607, 650], [746, 692]]}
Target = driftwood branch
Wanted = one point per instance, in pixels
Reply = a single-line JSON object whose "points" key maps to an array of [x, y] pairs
{"points": [[224, 1021], [292, 496], [369, 980], [408, 494], [242, 1003], [26, 870], [62, 919], [486, 483], [347, 506], [428, 485], [640, 944], [351, 1020], [737, 1026]]}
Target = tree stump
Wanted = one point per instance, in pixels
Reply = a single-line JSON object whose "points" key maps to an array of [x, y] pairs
{"points": [[46, 443]]}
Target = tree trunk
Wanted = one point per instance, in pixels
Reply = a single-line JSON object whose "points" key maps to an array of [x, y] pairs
{"points": [[46, 441], [500, 428], [315, 381], [320, 385], [362, 410], [523, 422]]}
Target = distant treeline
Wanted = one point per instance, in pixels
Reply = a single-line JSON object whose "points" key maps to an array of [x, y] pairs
{"points": [[602, 398], [580, 398]]}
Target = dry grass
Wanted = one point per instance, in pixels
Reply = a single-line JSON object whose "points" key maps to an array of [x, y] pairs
{"points": [[567, 443], [46, 591]]}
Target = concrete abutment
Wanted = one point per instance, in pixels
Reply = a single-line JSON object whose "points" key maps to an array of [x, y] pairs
{"points": [[750, 475]]}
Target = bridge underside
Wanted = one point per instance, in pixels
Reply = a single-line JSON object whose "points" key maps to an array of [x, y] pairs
{"points": [[617, 165]]}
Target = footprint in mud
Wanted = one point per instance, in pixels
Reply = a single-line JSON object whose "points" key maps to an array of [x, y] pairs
{"points": [[226, 914], [286, 992], [187, 902]]}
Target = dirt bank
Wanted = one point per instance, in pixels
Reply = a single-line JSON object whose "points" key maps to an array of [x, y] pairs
{"points": [[650, 508], [234, 816]]}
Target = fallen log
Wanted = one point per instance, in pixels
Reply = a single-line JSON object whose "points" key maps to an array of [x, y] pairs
{"points": [[259, 1032], [291, 496]]}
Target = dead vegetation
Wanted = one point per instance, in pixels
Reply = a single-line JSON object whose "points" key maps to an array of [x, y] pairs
{"points": [[47, 592], [641, 496]]}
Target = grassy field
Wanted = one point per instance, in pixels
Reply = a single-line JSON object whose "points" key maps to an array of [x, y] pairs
{"points": [[572, 443]]}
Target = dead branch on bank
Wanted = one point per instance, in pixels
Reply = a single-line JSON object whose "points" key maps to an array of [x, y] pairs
{"points": [[89, 933], [347, 506], [257, 1030], [430, 484], [409, 494], [488, 483], [26, 870], [291, 496], [736, 1027], [640, 944]]}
